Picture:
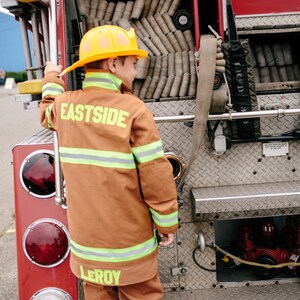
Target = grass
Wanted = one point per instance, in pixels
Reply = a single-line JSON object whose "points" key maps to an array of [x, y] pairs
{"points": [[18, 76]]}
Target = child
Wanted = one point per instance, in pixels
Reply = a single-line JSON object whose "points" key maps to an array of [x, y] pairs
{"points": [[119, 185]]}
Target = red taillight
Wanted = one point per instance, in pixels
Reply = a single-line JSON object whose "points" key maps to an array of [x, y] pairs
{"points": [[37, 174], [46, 242]]}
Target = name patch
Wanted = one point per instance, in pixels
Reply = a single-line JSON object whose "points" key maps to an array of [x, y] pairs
{"points": [[105, 277], [95, 114]]}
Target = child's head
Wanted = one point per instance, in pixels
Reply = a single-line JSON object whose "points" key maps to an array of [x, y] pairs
{"points": [[112, 45], [122, 66]]}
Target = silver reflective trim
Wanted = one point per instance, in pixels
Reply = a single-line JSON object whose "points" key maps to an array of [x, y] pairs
{"points": [[22, 168], [97, 80], [169, 220], [97, 158], [113, 254], [51, 293], [46, 89], [149, 152]]}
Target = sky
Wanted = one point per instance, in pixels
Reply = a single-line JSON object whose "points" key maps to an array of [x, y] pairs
{"points": [[11, 46]]}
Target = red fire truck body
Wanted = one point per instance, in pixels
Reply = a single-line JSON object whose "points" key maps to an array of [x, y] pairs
{"points": [[235, 166]]}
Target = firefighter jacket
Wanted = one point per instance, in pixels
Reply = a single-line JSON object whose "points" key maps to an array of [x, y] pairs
{"points": [[119, 185]]}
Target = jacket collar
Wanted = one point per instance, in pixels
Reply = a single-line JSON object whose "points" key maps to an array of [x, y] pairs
{"points": [[102, 79]]}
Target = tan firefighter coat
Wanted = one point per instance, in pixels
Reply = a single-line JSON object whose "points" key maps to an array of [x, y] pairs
{"points": [[119, 185]]}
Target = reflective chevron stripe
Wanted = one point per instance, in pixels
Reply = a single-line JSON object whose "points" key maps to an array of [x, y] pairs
{"points": [[114, 255], [103, 80], [148, 152], [48, 116], [52, 89], [164, 220], [106, 159]]}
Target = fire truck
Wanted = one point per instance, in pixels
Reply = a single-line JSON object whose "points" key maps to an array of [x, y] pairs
{"points": [[223, 82]]}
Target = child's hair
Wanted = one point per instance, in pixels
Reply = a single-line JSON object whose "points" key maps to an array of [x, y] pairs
{"points": [[99, 63]]}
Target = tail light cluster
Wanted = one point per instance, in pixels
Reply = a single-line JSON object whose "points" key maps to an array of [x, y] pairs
{"points": [[43, 241]]}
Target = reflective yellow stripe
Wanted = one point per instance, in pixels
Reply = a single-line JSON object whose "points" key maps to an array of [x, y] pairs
{"points": [[103, 80], [114, 255], [52, 89], [107, 159], [48, 116], [164, 220], [148, 152]]}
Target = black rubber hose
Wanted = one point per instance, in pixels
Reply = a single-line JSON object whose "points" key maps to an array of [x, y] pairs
{"points": [[196, 262]]}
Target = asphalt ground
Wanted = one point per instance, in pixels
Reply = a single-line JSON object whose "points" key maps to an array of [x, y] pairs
{"points": [[16, 124]]}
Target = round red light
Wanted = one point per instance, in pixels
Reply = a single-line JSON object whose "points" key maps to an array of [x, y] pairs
{"points": [[37, 173], [46, 242]]}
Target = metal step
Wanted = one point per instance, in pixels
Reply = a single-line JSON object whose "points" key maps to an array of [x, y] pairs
{"points": [[237, 200], [268, 292]]}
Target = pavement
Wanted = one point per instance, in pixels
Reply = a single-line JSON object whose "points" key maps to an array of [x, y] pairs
{"points": [[16, 124]]}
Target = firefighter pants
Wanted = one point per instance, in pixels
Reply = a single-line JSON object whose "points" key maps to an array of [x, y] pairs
{"points": [[147, 290]]}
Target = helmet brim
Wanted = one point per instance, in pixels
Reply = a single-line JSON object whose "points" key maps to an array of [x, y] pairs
{"points": [[80, 63]]}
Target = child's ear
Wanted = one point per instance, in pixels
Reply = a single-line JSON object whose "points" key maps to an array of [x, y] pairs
{"points": [[112, 64]]}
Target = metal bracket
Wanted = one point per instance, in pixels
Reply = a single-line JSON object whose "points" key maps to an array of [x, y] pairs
{"points": [[31, 105], [179, 271]]}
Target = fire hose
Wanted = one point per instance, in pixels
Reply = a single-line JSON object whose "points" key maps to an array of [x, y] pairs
{"points": [[251, 263], [169, 71], [239, 260], [207, 66]]}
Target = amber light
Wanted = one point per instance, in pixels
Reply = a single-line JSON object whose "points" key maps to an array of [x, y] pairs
{"points": [[46, 243], [37, 174]]}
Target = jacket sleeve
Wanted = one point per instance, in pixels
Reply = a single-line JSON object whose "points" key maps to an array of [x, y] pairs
{"points": [[155, 173], [52, 87]]}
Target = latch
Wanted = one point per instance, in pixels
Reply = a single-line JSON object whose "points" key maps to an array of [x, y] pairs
{"points": [[179, 271]]}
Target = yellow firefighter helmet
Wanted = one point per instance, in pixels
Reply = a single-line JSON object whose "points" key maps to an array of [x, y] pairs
{"points": [[104, 42]]}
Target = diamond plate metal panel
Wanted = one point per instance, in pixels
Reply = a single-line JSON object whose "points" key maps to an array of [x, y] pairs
{"points": [[287, 291], [197, 282], [44, 136], [196, 278], [168, 259], [275, 20], [176, 136], [249, 214], [242, 164], [277, 126], [181, 147]]}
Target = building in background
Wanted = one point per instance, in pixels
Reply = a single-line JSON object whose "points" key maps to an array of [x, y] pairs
{"points": [[11, 47], [2, 76]]}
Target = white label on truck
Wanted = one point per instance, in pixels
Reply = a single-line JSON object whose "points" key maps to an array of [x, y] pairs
{"points": [[275, 149]]}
